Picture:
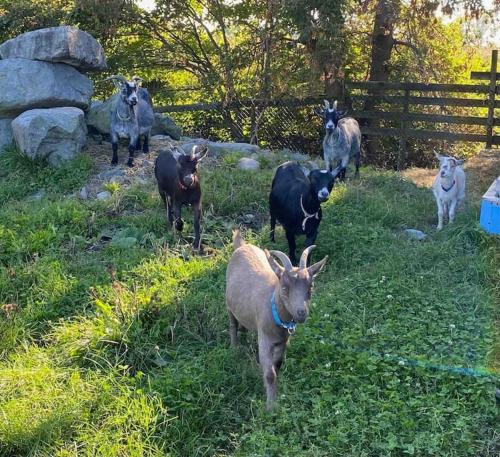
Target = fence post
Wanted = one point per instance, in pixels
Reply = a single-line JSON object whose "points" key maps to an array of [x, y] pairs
{"points": [[491, 99], [402, 138]]}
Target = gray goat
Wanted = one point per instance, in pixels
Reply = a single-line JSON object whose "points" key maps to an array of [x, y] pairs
{"points": [[264, 296], [342, 139], [131, 116]]}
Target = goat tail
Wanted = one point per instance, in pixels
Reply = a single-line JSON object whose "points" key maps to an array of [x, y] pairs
{"points": [[237, 239]]}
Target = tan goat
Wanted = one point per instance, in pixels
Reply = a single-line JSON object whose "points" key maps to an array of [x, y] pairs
{"points": [[264, 296]]}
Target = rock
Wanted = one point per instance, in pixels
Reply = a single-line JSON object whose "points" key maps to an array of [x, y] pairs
{"points": [[217, 148], [246, 163], [37, 196], [84, 193], [104, 195], [99, 114], [28, 84], [415, 234], [165, 125], [111, 173], [64, 44], [6, 137], [117, 179], [56, 135], [161, 137]]}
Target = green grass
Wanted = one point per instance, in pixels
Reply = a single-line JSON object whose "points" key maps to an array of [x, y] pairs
{"points": [[121, 348]]}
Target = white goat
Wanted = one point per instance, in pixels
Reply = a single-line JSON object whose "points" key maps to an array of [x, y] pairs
{"points": [[342, 138], [261, 295], [448, 187]]}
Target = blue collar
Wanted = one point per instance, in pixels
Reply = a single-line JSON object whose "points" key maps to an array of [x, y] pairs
{"points": [[290, 326], [449, 188]]}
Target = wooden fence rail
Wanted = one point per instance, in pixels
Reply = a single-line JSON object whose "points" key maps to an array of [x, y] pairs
{"points": [[410, 96]]}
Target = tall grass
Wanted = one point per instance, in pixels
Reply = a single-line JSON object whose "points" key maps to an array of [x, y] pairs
{"points": [[121, 348]]}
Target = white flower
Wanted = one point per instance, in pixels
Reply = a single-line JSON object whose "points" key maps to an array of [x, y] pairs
{"points": [[401, 362], [326, 315], [452, 326], [328, 365], [389, 297], [322, 341]]}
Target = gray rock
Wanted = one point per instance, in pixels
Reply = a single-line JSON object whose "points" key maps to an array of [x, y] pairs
{"points": [[84, 193], [104, 195], [28, 84], [37, 196], [219, 148], [246, 163], [165, 125], [415, 234], [99, 115], [6, 137], [56, 134], [161, 137], [63, 44], [117, 179]]}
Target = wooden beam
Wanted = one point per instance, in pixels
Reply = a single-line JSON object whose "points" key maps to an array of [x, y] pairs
{"points": [[383, 85], [491, 99], [432, 101], [424, 134], [485, 75], [422, 117]]}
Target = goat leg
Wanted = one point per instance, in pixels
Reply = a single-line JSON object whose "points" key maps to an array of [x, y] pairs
{"points": [[131, 150], [290, 236], [310, 239], [268, 371], [278, 355], [178, 222], [138, 144], [233, 329], [273, 226], [197, 217], [357, 162], [145, 145], [114, 147]]}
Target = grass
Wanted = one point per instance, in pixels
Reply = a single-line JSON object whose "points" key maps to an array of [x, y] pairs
{"points": [[121, 348]]}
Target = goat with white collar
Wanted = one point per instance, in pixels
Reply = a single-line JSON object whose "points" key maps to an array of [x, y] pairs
{"points": [[448, 187]]}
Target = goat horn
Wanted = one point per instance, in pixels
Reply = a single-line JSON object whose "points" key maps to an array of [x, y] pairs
{"points": [[305, 255], [287, 264], [118, 77]]}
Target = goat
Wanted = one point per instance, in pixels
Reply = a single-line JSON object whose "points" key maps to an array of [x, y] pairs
{"points": [[264, 296], [342, 138], [179, 184], [295, 201], [131, 116], [448, 187]]}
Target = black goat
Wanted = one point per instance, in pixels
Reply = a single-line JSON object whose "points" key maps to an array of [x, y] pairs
{"points": [[179, 184], [295, 201]]}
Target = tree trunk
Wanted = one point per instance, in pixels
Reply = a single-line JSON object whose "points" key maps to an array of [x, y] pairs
{"points": [[386, 14]]}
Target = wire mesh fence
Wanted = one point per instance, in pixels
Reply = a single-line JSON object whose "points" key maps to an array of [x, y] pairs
{"points": [[277, 124]]}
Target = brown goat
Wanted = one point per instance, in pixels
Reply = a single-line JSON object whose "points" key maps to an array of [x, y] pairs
{"points": [[255, 284]]}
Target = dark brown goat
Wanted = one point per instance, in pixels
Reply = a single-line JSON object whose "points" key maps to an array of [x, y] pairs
{"points": [[179, 184]]}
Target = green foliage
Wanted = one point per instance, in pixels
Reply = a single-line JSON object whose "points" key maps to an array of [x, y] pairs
{"points": [[121, 348]]}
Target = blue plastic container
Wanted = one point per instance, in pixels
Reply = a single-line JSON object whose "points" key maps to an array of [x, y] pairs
{"points": [[490, 209]]}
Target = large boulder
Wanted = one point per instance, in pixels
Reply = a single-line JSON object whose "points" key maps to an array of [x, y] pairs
{"points": [[28, 84], [98, 118], [57, 45], [165, 125], [217, 148], [56, 134], [6, 138]]}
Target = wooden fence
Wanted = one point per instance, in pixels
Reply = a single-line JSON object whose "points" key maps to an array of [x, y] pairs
{"points": [[401, 98]]}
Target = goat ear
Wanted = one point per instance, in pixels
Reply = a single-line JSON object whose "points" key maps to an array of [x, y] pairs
{"points": [[334, 106], [459, 162], [306, 171], [327, 104], [342, 113], [437, 155], [176, 152], [316, 268], [335, 172], [199, 152], [275, 266], [319, 112]]}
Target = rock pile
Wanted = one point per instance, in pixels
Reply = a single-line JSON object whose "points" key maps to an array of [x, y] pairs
{"points": [[44, 91]]}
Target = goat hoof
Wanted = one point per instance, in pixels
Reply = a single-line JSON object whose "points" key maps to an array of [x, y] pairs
{"points": [[114, 162], [130, 163]]}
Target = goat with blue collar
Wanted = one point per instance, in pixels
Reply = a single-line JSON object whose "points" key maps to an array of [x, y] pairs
{"points": [[270, 298]]}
